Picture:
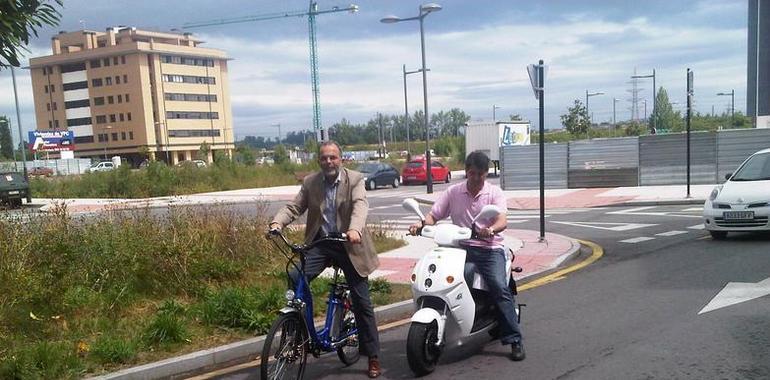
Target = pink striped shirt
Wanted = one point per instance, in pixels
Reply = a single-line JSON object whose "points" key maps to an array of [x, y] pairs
{"points": [[458, 204]]}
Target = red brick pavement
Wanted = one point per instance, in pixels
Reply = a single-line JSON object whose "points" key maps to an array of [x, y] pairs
{"points": [[576, 199]]}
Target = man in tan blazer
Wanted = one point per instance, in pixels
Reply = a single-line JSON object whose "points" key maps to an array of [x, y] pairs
{"points": [[335, 201]]}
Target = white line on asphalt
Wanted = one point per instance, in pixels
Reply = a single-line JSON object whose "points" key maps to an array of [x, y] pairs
{"points": [[671, 233], [607, 226], [637, 240], [697, 227], [693, 209]]}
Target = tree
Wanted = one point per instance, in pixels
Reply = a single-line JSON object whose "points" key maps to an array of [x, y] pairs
{"points": [[18, 20], [576, 120], [203, 151], [664, 114], [280, 155], [6, 143]]}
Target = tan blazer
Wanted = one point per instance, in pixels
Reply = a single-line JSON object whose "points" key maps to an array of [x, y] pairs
{"points": [[352, 209]]}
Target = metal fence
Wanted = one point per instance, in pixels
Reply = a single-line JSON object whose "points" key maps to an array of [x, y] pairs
{"points": [[663, 159], [520, 166], [604, 163], [59, 167], [632, 161]]}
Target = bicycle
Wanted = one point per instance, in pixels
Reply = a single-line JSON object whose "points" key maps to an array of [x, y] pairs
{"points": [[294, 334]]}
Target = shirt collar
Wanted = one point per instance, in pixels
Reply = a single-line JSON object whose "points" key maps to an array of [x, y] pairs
{"points": [[484, 189], [336, 180]]}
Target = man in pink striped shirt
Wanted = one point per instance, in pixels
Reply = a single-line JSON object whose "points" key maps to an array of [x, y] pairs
{"points": [[462, 202]]}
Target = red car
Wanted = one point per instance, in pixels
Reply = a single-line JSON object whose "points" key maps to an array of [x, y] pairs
{"points": [[414, 172]]}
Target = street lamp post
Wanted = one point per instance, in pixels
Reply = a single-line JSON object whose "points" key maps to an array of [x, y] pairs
{"points": [[494, 108], [654, 97], [106, 138], [21, 136], [279, 130], [406, 109], [732, 104], [425, 10], [588, 95], [614, 121]]}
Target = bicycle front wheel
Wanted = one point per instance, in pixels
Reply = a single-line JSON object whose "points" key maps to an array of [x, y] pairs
{"points": [[284, 354]]}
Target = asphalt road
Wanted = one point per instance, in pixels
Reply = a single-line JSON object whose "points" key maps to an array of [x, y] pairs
{"points": [[634, 314]]}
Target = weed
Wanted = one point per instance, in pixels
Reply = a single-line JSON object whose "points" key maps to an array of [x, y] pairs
{"points": [[112, 350]]}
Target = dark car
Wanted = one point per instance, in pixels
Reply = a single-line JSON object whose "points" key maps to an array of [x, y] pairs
{"points": [[13, 187], [415, 172], [379, 174]]}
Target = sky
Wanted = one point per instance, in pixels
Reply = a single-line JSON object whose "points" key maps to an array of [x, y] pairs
{"points": [[477, 53]]}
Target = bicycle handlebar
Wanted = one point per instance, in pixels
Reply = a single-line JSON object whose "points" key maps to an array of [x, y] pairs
{"points": [[340, 237]]}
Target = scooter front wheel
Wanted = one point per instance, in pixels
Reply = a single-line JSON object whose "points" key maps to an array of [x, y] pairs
{"points": [[422, 353]]}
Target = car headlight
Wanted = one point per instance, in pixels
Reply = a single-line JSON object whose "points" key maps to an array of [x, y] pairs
{"points": [[715, 193]]}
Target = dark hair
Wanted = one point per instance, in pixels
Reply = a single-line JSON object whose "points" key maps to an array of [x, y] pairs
{"points": [[329, 143], [477, 160]]}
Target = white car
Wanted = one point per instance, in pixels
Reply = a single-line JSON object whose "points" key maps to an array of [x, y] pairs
{"points": [[103, 166], [742, 203]]}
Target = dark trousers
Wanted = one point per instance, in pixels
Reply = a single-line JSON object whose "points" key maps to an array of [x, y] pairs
{"points": [[491, 265], [320, 257]]}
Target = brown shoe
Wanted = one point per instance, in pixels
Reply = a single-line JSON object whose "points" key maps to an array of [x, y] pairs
{"points": [[374, 368]]}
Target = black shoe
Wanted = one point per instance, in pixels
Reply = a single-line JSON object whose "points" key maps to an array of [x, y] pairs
{"points": [[517, 352]]}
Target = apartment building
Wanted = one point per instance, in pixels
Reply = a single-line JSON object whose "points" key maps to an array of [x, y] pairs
{"points": [[135, 93]]}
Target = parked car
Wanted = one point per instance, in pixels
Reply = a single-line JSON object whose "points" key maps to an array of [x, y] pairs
{"points": [[742, 203], [415, 172], [13, 187], [195, 163], [103, 166], [379, 174], [41, 171]]}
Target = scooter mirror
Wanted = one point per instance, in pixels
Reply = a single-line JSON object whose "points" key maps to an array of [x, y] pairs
{"points": [[488, 212], [410, 204]]}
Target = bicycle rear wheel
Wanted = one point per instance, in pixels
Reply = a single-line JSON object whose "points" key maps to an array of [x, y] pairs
{"points": [[284, 354], [348, 353]]}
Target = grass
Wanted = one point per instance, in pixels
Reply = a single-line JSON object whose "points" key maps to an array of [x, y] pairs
{"points": [[82, 297]]}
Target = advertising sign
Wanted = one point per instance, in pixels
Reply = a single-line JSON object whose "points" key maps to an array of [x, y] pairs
{"points": [[514, 134], [51, 141]]}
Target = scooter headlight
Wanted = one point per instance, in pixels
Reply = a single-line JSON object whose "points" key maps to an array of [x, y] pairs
{"points": [[432, 268], [428, 282], [289, 295]]}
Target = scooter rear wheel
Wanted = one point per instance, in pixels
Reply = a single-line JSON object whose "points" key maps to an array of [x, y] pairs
{"points": [[421, 350]]}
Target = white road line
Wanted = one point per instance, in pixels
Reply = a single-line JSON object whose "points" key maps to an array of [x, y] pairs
{"points": [[671, 233], [697, 227], [637, 240], [693, 209], [607, 226]]}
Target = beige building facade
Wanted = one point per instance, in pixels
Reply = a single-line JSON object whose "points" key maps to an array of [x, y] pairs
{"points": [[135, 94]]}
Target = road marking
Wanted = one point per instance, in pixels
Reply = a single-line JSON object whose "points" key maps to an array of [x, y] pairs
{"points": [[737, 292], [637, 239], [382, 207], [693, 209], [608, 226], [697, 227], [597, 253], [637, 211], [671, 233]]}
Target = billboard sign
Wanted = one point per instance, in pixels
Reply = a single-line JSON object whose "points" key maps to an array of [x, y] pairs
{"points": [[51, 141], [514, 134]]}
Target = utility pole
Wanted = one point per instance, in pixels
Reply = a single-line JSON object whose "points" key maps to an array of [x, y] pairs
{"points": [[689, 116], [279, 130]]}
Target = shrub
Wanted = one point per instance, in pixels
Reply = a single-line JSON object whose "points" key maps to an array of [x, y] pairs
{"points": [[112, 350]]}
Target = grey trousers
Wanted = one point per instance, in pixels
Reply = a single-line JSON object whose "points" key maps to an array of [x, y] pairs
{"points": [[320, 257]]}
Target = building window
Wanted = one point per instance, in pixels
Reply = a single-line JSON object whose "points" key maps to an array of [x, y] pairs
{"points": [[188, 79], [73, 67], [48, 106], [125, 78], [45, 71], [130, 134], [115, 61], [128, 116], [50, 70], [191, 115], [127, 98], [120, 98], [50, 124], [96, 82], [122, 135], [101, 119], [54, 106], [46, 88], [75, 86], [56, 124], [108, 81], [78, 121], [53, 88], [117, 79], [191, 97], [123, 59], [114, 136], [106, 62], [193, 133], [122, 117], [76, 104], [84, 139], [95, 63], [187, 60], [99, 101], [102, 137], [112, 118], [110, 100]]}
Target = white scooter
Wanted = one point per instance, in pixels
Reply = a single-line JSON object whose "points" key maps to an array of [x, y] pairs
{"points": [[449, 295]]}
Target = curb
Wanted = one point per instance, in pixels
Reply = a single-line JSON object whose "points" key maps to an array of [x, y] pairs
{"points": [[229, 354]]}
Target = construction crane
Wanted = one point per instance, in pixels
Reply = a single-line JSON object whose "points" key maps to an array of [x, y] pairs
{"points": [[311, 13]]}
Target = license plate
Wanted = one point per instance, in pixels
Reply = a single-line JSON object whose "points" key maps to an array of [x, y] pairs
{"points": [[13, 192], [411, 177], [739, 215]]}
